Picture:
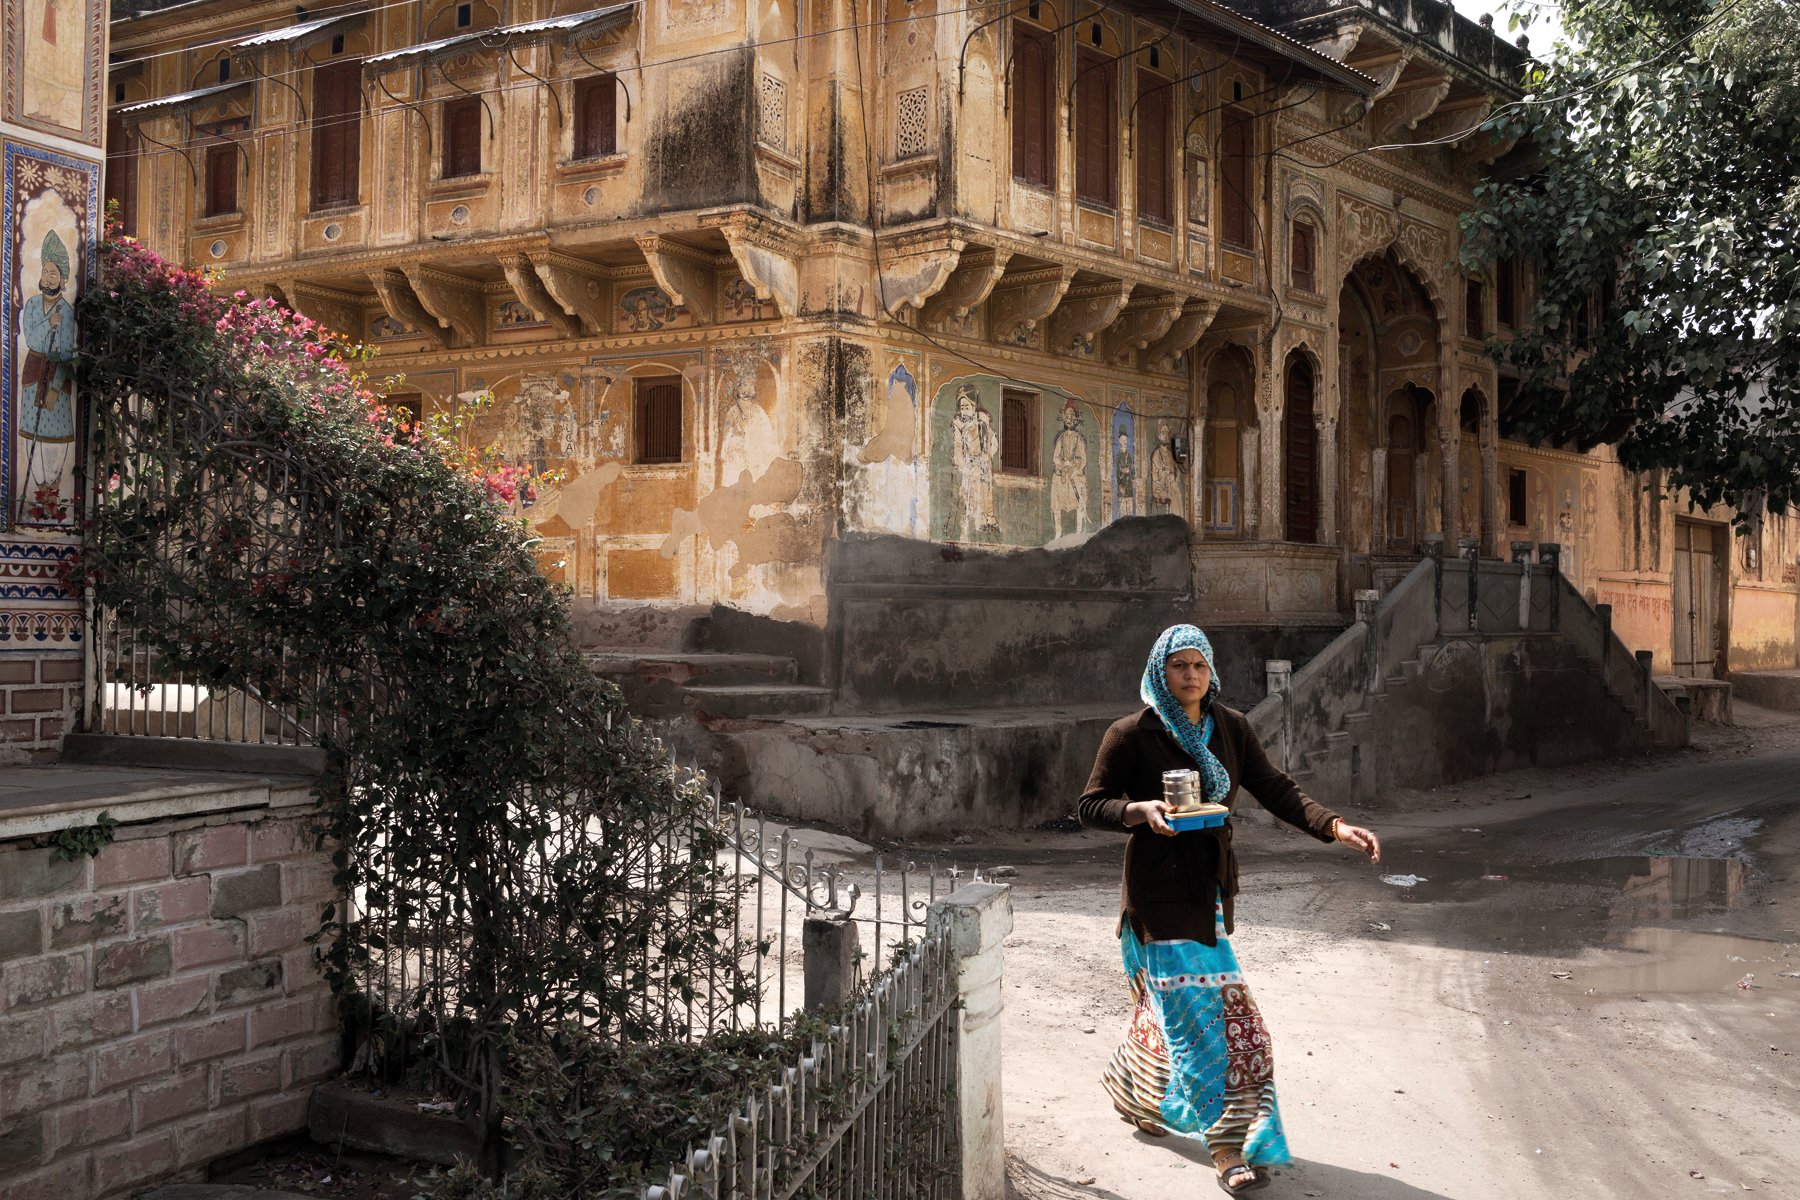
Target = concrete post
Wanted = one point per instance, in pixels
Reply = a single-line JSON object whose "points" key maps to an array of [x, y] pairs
{"points": [[1521, 555], [1469, 550], [1279, 673], [977, 918], [1644, 659], [829, 947], [1434, 550]]}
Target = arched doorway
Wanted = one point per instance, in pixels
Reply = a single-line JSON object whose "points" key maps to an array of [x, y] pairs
{"points": [[1300, 451], [1390, 460]]}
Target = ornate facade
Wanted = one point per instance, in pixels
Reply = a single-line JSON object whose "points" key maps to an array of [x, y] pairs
{"points": [[755, 275]]}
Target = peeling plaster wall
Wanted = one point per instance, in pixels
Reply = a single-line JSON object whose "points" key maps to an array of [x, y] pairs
{"points": [[921, 626]]}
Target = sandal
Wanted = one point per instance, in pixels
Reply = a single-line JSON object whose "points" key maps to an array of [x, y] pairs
{"points": [[1231, 1166]]}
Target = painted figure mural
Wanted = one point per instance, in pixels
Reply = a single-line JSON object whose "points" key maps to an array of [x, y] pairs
{"points": [[47, 390], [1069, 464], [973, 446], [747, 443], [1165, 473], [54, 63]]}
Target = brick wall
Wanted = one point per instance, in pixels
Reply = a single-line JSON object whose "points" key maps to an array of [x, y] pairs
{"points": [[40, 697], [158, 1006]]}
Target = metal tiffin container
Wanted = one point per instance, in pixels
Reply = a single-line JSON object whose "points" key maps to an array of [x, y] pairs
{"points": [[1182, 788]]}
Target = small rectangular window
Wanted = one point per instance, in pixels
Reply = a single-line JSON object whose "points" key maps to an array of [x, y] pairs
{"points": [[462, 138], [1033, 105], [1155, 193], [1303, 257], [224, 70], [406, 407], [596, 117], [1018, 432], [1515, 498], [658, 419], [221, 179], [1096, 130], [337, 44], [1474, 319], [1506, 284], [465, 15]]}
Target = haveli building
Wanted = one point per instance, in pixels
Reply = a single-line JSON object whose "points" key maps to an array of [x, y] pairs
{"points": [[756, 277]]}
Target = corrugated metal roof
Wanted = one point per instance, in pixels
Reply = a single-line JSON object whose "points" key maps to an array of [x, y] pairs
{"points": [[593, 21], [294, 33], [180, 100]]}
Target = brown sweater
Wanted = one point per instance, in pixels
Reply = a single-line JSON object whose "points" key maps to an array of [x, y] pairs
{"points": [[1169, 882]]}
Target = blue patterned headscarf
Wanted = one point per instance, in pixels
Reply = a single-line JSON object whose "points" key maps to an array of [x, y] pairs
{"points": [[1215, 781]]}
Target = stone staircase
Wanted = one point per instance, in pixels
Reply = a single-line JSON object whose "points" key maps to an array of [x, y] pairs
{"points": [[710, 685], [1416, 693]]}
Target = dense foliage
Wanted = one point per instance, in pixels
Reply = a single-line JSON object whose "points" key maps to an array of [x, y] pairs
{"points": [[522, 858], [1659, 206]]}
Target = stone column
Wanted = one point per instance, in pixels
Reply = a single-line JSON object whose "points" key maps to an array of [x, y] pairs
{"points": [[1197, 475], [829, 947], [1268, 468], [1449, 413], [1491, 532], [1328, 476], [977, 917], [1378, 489]]}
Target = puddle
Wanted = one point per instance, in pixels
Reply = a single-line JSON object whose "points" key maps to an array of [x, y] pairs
{"points": [[1674, 960], [1642, 887]]}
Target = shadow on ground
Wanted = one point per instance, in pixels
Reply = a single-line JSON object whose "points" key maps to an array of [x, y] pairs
{"points": [[1026, 1181]]}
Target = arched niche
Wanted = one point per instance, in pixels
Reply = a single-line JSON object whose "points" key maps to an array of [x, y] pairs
{"points": [[1232, 436], [1300, 448]]}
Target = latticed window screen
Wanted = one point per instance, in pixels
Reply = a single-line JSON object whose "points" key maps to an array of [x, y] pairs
{"points": [[772, 112], [1096, 129], [1018, 431], [221, 179], [462, 137], [1033, 102], [596, 117], [658, 420], [336, 133], [910, 124], [1154, 182]]}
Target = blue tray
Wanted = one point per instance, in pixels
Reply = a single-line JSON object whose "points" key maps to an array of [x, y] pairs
{"points": [[1197, 821]]}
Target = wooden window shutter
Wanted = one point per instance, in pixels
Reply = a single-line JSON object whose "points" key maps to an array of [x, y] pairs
{"points": [[1303, 257], [1474, 319], [121, 172], [1236, 207], [462, 138], [596, 117], [658, 419], [1018, 431], [1300, 454], [1033, 104], [221, 179], [1096, 157], [336, 134], [1154, 189]]}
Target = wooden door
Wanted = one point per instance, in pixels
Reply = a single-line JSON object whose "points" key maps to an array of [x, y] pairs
{"points": [[1699, 608], [1300, 460]]}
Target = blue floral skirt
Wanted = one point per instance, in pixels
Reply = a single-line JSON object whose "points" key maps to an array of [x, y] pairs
{"points": [[1196, 1060]]}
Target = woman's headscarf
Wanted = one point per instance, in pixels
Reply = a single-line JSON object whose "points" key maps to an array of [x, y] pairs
{"points": [[1215, 781]]}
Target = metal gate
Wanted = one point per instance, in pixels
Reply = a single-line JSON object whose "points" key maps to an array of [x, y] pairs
{"points": [[1699, 599]]}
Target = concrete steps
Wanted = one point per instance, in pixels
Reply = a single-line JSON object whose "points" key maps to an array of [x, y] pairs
{"points": [[740, 701], [683, 667]]}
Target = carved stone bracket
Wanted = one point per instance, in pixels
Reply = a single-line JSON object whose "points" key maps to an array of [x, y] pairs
{"points": [[330, 307], [455, 302], [977, 271], [1142, 322], [1086, 311], [400, 302], [533, 295], [1459, 121], [685, 274], [1385, 69], [1026, 299], [1364, 228], [915, 269], [766, 256], [1183, 334], [572, 284], [1402, 110]]}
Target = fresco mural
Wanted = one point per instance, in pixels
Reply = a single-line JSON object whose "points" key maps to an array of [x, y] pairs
{"points": [[52, 76], [738, 302], [972, 502], [1167, 482], [46, 251], [648, 308], [1123, 458]]}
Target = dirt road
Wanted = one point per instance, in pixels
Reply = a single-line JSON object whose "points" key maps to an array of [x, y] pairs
{"points": [[1553, 1009]]}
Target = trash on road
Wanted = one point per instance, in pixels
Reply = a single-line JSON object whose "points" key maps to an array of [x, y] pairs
{"points": [[1747, 982], [1559, 974], [1404, 881]]}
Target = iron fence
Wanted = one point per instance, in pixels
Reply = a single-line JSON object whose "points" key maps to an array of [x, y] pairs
{"points": [[869, 1111]]}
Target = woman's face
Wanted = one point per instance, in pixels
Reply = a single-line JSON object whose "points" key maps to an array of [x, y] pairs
{"points": [[1188, 676]]}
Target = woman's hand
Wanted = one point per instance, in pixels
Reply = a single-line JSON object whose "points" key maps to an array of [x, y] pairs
{"points": [[1140, 811], [1357, 838]]}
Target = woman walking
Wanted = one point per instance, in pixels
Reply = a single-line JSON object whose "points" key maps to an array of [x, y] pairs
{"points": [[1196, 1060]]}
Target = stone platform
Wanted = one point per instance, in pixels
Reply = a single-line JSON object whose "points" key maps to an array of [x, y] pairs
{"points": [[1779, 690]]}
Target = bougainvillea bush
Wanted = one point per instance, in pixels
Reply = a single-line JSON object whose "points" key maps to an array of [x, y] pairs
{"points": [[522, 859]]}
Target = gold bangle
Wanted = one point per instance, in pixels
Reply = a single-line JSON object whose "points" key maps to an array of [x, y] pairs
{"points": [[1335, 822]]}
